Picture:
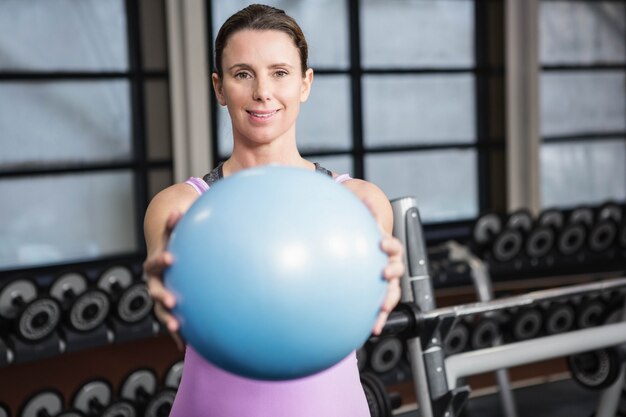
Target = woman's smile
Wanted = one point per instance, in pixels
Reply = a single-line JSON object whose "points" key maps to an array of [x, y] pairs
{"points": [[262, 86], [262, 115]]}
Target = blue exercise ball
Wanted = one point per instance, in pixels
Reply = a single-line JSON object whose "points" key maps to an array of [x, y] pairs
{"points": [[277, 273]]}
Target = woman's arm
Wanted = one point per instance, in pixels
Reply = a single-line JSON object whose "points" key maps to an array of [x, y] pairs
{"points": [[380, 208], [164, 211]]}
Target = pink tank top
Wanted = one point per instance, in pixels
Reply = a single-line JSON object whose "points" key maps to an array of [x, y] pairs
{"points": [[207, 391]]}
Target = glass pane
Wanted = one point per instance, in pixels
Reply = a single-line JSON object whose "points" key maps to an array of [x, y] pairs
{"points": [[414, 33], [340, 164], [153, 34], [324, 122], [583, 173], [443, 182], [582, 32], [324, 23], [583, 102], [64, 122], [418, 109], [158, 129], [86, 216], [325, 119], [63, 34]]}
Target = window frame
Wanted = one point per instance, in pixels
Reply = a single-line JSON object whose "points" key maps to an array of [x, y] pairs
{"points": [[580, 137], [139, 165]]}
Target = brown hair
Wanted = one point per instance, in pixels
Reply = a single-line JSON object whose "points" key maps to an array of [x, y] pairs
{"points": [[260, 17]]}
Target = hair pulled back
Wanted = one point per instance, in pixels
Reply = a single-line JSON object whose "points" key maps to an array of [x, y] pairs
{"points": [[260, 17]]}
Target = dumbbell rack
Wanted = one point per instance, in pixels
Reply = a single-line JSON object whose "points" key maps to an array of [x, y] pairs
{"points": [[424, 327], [585, 239], [67, 358]]}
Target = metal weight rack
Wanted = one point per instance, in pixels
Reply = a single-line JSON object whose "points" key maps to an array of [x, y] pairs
{"points": [[424, 327]]}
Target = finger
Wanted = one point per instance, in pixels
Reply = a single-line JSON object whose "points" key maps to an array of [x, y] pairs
{"points": [[380, 323], [392, 298], [178, 340], [168, 320], [394, 270], [392, 246], [171, 324], [160, 294], [158, 263]]}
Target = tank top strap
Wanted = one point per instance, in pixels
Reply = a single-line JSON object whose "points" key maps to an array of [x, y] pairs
{"points": [[322, 170], [216, 173]]}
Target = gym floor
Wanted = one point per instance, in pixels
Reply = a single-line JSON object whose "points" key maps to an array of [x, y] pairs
{"points": [[562, 398]]}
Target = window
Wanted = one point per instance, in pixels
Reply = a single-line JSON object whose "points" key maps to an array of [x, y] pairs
{"points": [[407, 94], [583, 102], [84, 128]]}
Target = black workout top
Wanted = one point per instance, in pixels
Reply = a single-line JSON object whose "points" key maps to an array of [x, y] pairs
{"points": [[218, 173]]}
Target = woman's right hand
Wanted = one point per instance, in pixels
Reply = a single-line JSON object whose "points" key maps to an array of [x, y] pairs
{"points": [[154, 267]]}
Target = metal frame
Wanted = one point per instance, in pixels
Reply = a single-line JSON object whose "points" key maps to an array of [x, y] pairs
{"points": [[535, 350], [484, 290], [424, 326]]}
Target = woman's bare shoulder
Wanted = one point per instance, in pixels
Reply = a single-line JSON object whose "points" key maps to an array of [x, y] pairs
{"points": [[177, 197], [375, 199]]}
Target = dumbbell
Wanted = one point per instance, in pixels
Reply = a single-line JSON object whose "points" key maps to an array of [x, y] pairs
{"points": [[6, 355], [485, 230], [361, 358], [484, 333], [130, 299], [452, 273], [604, 231], [610, 211], [621, 238], [509, 243], [559, 317], [173, 375], [574, 234], [596, 369], [380, 402], [542, 238], [385, 354], [600, 368], [589, 312], [457, 339], [621, 408], [94, 400], [47, 404], [140, 387], [84, 309], [552, 218], [35, 317], [525, 323]]}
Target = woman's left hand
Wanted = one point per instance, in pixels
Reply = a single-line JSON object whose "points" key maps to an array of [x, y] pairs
{"points": [[381, 210], [392, 273]]}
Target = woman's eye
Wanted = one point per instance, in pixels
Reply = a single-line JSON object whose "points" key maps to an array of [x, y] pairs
{"points": [[281, 73], [242, 75]]}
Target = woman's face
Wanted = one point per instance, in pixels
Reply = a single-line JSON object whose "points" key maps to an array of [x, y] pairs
{"points": [[262, 85]]}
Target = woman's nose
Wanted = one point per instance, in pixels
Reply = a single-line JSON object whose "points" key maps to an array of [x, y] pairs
{"points": [[261, 89]]}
